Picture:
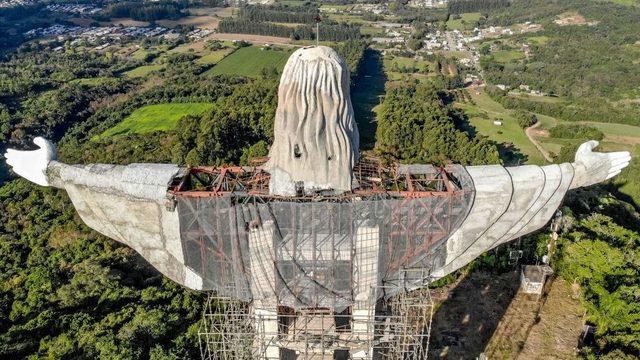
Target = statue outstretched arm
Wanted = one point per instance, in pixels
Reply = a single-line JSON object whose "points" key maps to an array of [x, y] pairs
{"points": [[593, 167], [125, 203], [514, 201]]}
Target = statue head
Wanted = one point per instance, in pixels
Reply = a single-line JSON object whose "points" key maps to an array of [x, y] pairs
{"points": [[315, 134]]}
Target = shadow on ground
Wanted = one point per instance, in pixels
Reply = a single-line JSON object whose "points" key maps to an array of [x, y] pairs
{"points": [[367, 89], [465, 321]]}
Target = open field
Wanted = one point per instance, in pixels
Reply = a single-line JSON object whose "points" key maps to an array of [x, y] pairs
{"points": [[371, 31], [539, 40], [292, 2], [485, 111], [347, 18], [214, 57], [536, 98], [140, 54], [89, 81], [142, 71], [199, 21], [467, 21], [626, 2], [507, 56], [254, 39], [249, 61], [617, 137], [160, 117], [221, 12], [400, 68]]}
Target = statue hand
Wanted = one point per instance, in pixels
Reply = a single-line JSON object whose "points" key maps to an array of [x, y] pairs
{"points": [[32, 165], [594, 167]]}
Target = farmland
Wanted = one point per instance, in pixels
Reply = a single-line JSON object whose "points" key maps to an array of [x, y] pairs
{"points": [[250, 61], [160, 117], [142, 71]]}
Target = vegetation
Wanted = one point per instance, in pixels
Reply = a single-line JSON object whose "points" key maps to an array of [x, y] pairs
{"points": [[300, 15], [143, 70], [464, 21], [525, 119], [575, 131], [303, 32], [251, 61], [160, 117], [598, 249], [467, 6], [593, 68], [16, 20], [514, 145], [415, 125], [143, 12]]}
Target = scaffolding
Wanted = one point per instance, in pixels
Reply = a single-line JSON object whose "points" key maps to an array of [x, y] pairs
{"points": [[324, 275], [394, 328]]}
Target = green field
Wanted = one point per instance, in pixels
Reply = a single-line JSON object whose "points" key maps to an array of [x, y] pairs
{"points": [[508, 132], [371, 30], [467, 21], [161, 117], [249, 61], [347, 18], [617, 137], [539, 40], [140, 54], [90, 81], [394, 65], [142, 71], [214, 57], [507, 56]]}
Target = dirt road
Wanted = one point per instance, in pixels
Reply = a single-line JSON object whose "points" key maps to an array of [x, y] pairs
{"points": [[529, 131]]}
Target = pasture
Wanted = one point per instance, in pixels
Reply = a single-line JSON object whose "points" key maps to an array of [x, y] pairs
{"points": [[150, 118], [214, 57], [250, 61], [481, 117], [142, 71], [467, 21]]}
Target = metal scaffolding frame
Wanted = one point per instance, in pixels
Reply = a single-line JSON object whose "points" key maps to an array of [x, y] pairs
{"points": [[393, 328], [319, 273], [371, 178]]}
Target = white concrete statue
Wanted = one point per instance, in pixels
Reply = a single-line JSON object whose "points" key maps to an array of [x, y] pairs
{"points": [[315, 134], [315, 148]]}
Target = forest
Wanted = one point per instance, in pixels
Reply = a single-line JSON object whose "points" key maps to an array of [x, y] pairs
{"points": [[415, 125], [143, 12], [328, 32], [301, 15], [466, 6]]}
